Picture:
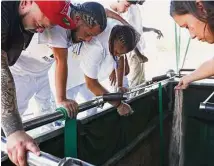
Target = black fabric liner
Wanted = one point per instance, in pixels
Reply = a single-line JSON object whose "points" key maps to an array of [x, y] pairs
{"points": [[100, 139]]}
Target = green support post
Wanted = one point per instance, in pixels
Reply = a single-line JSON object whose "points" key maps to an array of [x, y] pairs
{"points": [[70, 134]]}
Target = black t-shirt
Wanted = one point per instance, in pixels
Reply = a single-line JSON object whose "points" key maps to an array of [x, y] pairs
{"points": [[13, 36]]}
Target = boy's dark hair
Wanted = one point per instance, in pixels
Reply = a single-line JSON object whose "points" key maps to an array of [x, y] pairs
{"points": [[126, 34]]}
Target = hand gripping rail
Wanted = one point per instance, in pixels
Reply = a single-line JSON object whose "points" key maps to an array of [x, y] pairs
{"points": [[48, 118], [46, 159]]}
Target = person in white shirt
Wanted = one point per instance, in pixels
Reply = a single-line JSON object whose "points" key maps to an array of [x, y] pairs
{"points": [[31, 70], [130, 11], [195, 17], [101, 55], [75, 88], [96, 63], [91, 21], [30, 75]]}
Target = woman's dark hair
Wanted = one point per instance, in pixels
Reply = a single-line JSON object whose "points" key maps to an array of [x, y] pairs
{"points": [[190, 7], [126, 34]]}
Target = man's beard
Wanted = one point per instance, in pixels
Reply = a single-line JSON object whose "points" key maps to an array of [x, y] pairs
{"points": [[74, 36]]}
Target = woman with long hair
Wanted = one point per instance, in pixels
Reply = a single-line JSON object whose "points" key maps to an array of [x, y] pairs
{"points": [[198, 17]]}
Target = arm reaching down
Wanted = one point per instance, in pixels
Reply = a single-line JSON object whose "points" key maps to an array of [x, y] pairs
{"points": [[120, 72], [61, 75], [159, 33], [90, 65], [127, 69], [115, 16], [18, 142], [95, 87], [10, 118], [122, 69], [204, 71], [117, 77]]}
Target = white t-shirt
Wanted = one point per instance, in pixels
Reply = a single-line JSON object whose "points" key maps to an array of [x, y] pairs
{"points": [[90, 58], [56, 37], [97, 62], [134, 18], [75, 74], [35, 60], [60, 38]]}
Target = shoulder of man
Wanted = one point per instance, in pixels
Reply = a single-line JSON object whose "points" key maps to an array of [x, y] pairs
{"points": [[104, 36], [56, 37], [91, 47]]}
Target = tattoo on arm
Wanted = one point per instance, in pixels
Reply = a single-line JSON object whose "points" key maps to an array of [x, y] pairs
{"points": [[10, 118]]}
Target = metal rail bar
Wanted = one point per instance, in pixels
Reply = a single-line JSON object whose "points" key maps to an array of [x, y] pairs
{"points": [[48, 118]]}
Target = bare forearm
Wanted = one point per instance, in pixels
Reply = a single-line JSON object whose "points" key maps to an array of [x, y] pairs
{"points": [[61, 55], [127, 69], [120, 72], [115, 16], [204, 71], [146, 29], [97, 89], [61, 81], [10, 118]]}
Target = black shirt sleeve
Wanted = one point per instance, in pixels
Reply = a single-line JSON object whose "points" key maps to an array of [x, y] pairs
{"points": [[13, 36], [6, 10]]}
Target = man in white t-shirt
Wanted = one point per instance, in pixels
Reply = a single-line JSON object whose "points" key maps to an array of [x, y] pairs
{"points": [[31, 70], [75, 88], [90, 18], [129, 10], [92, 22]]}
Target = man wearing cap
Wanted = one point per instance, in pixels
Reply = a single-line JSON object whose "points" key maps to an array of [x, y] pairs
{"points": [[90, 19], [31, 70], [19, 19]]}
